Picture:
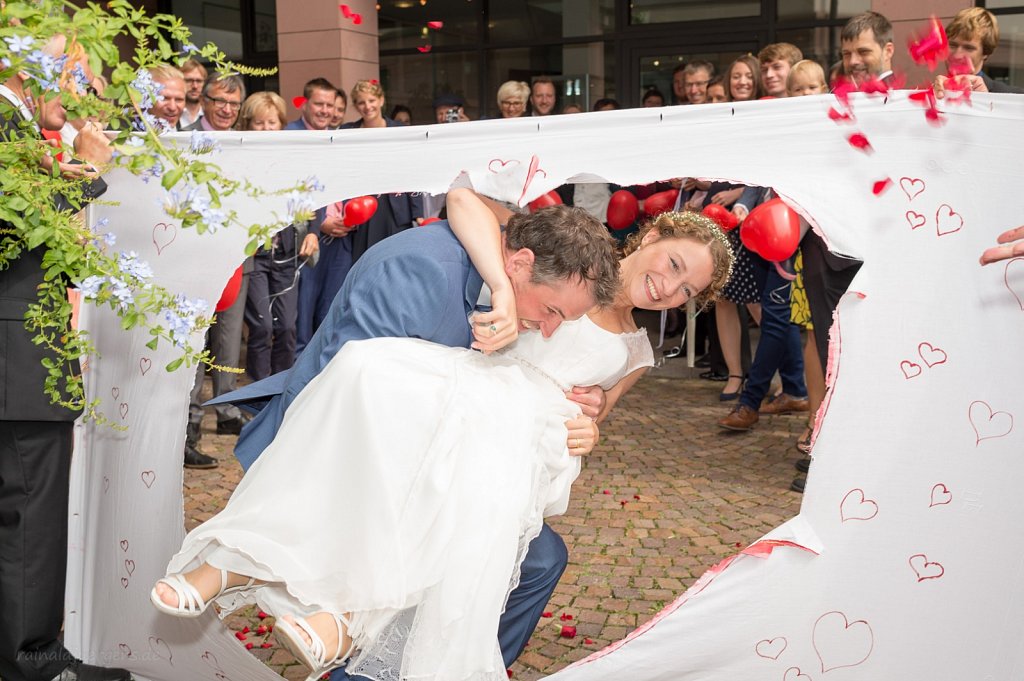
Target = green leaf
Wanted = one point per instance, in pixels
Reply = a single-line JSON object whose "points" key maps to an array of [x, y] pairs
{"points": [[174, 364]]}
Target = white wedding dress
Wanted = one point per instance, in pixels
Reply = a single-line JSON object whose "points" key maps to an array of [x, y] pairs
{"points": [[404, 486]]}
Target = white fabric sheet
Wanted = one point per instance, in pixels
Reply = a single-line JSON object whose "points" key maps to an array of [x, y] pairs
{"points": [[911, 514]]}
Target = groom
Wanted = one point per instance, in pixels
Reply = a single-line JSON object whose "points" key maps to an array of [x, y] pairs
{"points": [[420, 283]]}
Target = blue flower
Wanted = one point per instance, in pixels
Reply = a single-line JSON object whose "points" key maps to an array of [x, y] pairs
{"points": [[18, 43], [203, 143], [121, 292], [299, 207], [91, 286], [130, 265], [189, 48], [182, 318], [313, 184]]}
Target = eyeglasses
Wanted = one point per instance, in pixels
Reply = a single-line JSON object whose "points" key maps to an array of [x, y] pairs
{"points": [[224, 103], [697, 83], [512, 104]]}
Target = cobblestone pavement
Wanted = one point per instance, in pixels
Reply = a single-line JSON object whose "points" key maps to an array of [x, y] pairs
{"points": [[665, 495]]}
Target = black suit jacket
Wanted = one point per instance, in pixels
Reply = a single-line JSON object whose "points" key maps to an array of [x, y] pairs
{"points": [[22, 374], [999, 86]]}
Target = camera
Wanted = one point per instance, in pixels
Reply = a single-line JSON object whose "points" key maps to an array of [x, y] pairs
{"points": [[451, 115]]}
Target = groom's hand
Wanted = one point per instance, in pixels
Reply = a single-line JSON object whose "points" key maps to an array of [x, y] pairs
{"points": [[495, 329], [583, 435], [591, 399]]}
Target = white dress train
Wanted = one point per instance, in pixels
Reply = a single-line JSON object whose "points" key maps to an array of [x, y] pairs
{"points": [[404, 486]]}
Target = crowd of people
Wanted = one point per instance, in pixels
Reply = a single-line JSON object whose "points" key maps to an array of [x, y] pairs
{"points": [[302, 301]]}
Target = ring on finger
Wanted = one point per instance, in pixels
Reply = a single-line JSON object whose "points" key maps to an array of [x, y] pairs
{"points": [[575, 443], [494, 330]]}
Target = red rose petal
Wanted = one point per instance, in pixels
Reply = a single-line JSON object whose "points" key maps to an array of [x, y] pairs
{"points": [[637, 497], [931, 47], [249, 646], [262, 615], [840, 117], [568, 632], [876, 189], [509, 672], [874, 86], [859, 141], [261, 630], [623, 503], [607, 491], [297, 102], [588, 641], [436, 25], [266, 644], [565, 617], [547, 613], [738, 545], [245, 630], [357, 19], [240, 636], [424, 48], [345, 11]]}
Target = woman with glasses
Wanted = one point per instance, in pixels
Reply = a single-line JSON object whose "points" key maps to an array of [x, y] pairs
{"points": [[512, 96]]}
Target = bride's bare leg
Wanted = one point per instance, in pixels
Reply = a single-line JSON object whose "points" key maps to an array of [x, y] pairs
{"points": [[206, 580]]}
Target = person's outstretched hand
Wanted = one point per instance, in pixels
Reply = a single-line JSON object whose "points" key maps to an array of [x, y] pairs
{"points": [[1013, 246], [495, 329]]}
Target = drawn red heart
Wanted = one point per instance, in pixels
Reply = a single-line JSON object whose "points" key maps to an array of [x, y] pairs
{"points": [[424, 48], [129, 566], [909, 369], [124, 582], [125, 650], [531, 172], [124, 545], [298, 102], [841, 643], [855, 506], [345, 11], [931, 355], [123, 408], [947, 220], [912, 187], [148, 477], [161, 649], [1016, 264], [915, 219], [145, 364], [940, 495], [771, 648], [988, 424], [436, 25], [163, 236], [211, 660], [501, 166], [115, 392], [925, 569], [794, 674]]}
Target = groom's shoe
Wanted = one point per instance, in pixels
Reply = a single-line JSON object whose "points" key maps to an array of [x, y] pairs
{"points": [[233, 426], [196, 459], [80, 671]]}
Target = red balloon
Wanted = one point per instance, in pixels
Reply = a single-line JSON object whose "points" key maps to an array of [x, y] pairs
{"points": [[725, 218], [772, 230], [622, 209], [359, 210], [230, 294], [544, 200], [659, 203], [428, 221]]}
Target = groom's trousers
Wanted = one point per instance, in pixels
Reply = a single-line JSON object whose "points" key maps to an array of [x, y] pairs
{"points": [[539, 575]]}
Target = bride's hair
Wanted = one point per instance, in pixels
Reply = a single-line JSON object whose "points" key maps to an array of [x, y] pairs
{"points": [[699, 228]]}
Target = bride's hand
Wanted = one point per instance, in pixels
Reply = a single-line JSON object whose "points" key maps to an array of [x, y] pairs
{"points": [[583, 434], [495, 329]]}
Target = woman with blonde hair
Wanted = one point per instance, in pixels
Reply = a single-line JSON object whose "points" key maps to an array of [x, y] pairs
{"points": [[512, 98], [262, 111]]}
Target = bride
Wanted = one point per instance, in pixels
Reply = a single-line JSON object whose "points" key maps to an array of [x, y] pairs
{"points": [[426, 472]]}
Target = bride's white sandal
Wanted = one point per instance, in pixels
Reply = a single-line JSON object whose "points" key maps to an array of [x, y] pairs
{"points": [[313, 654], [190, 602]]}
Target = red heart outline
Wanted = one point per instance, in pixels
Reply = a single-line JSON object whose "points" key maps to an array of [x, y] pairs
{"points": [[847, 625], [502, 164], [799, 675], [910, 370], [930, 358], [940, 495], [1006, 280], [162, 228], [129, 566], [988, 420], [148, 478], [124, 545], [530, 174], [145, 364], [863, 501], [924, 568], [912, 183], [915, 219], [951, 215], [766, 647]]}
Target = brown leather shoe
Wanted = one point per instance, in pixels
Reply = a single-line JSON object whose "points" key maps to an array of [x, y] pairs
{"points": [[741, 417], [785, 404]]}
